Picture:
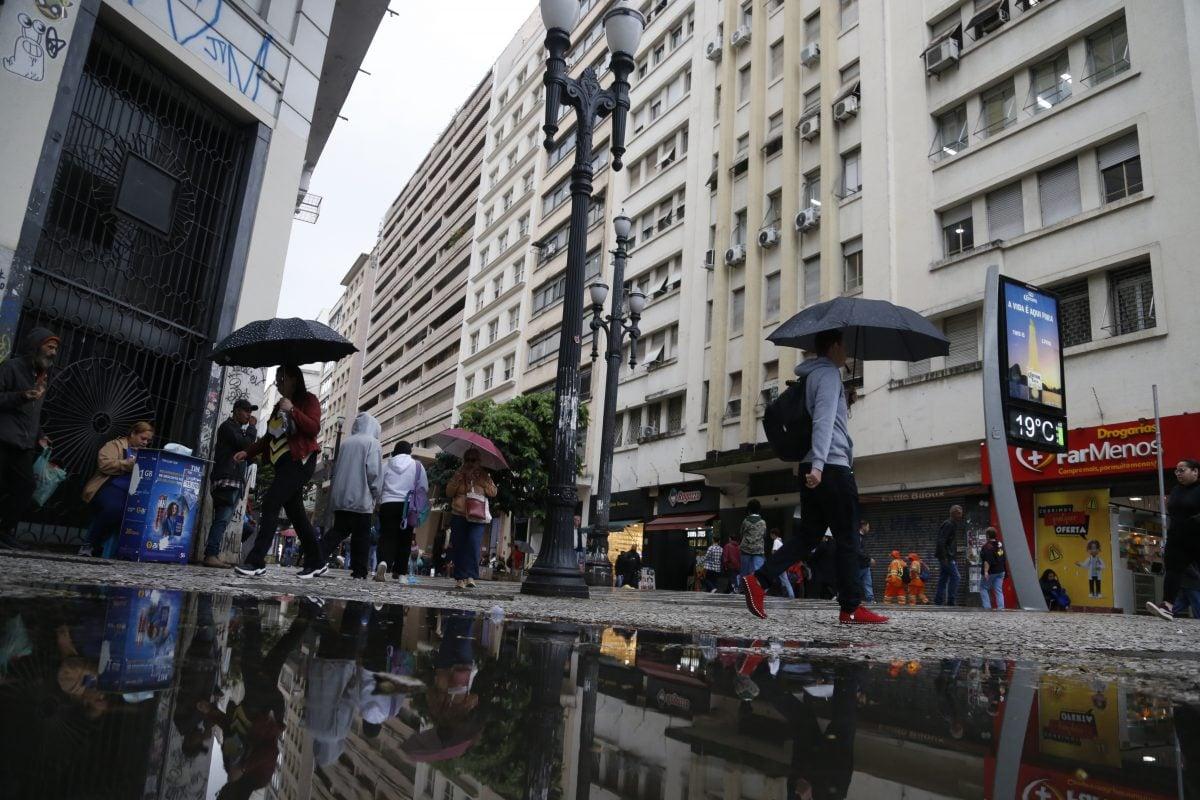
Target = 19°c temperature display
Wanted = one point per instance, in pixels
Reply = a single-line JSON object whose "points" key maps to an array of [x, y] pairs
{"points": [[1036, 430]]}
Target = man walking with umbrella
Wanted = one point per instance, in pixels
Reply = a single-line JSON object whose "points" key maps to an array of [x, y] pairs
{"points": [[828, 492]]}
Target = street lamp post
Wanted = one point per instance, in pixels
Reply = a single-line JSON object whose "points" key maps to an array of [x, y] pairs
{"points": [[616, 327], [556, 571]]}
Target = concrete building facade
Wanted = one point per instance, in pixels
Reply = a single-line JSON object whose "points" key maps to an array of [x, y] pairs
{"points": [[341, 381]]}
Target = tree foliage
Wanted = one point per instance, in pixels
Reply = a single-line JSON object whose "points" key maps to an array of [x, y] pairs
{"points": [[523, 429]]}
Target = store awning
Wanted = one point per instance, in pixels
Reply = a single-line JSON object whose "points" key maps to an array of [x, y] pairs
{"points": [[678, 522]]}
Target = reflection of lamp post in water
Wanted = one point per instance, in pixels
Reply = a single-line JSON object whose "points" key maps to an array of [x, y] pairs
{"points": [[549, 648]]}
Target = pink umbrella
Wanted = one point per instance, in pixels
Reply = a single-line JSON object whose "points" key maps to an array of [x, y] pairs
{"points": [[457, 441]]}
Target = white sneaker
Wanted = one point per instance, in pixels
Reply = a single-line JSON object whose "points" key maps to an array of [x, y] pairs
{"points": [[250, 572], [309, 574], [381, 572], [1163, 611], [85, 550]]}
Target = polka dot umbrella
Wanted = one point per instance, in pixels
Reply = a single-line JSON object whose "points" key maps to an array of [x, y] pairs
{"points": [[271, 342]]}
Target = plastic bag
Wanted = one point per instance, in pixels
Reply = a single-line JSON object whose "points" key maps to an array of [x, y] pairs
{"points": [[48, 476]]}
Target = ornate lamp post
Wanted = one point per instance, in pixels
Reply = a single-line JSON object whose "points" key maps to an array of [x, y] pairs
{"points": [[556, 571], [616, 327]]}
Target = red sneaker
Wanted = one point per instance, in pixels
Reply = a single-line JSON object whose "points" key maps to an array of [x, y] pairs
{"points": [[861, 616], [754, 595]]}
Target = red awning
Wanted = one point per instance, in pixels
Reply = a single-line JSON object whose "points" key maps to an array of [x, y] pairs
{"points": [[678, 522]]}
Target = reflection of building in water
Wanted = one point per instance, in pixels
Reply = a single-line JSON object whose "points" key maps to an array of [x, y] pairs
{"points": [[293, 777]]}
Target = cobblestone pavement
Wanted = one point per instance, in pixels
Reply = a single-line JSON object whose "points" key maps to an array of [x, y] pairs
{"points": [[1144, 649]]}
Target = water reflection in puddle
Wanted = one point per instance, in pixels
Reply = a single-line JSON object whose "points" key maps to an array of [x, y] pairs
{"points": [[128, 693]]}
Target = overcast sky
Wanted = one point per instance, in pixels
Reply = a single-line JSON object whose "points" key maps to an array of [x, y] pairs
{"points": [[424, 63]]}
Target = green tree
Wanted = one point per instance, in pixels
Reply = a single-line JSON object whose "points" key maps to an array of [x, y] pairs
{"points": [[523, 429]]}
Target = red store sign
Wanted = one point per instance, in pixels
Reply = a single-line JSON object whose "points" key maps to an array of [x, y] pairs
{"points": [[1122, 449]]}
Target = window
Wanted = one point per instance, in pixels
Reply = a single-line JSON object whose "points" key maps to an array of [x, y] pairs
{"points": [[744, 84], [851, 173], [737, 311], [775, 123], [485, 255], [1049, 83], [508, 199], [1006, 212], [528, 183], [812, 189], [474, 342], [560, 194], [733, 408], [549, 293], [542, 347], [519, 272], [493, 331], [1058, 189], [774, 202], [708, 314], [963, 332], [633, 421], [502, 242], [523, 225], [553, 244], [564, 147], [772, 297], [514, 318], [489, 376], [497, 286], [743, 143], [674, 425], [812, 100], [1120, 168], [848, 13], [958, 230], [849, 73], [469, 386], [591, 265], [989, 16], [489, 216], [739, 227], [510, 366], [704, 402], [812, 280], [1107, 53], [479, 299], [775, 62], [1132, 297], [999, 110], [852, 266], [1075, 313], [951, 137], [812, 29], [748, 14]]}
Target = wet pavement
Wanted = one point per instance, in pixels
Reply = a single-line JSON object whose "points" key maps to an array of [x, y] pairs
{"points": [[136, 692]]}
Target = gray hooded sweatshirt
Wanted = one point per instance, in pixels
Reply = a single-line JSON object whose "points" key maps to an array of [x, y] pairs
{"points": [[358, 473], [826, 400]]}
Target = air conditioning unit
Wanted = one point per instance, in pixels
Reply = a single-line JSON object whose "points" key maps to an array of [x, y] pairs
{"points": [[735, 255], [810, 127], [942, 57], [710, 259], [808, 219], [712, 50], [740, 37], [845, 108], [768, 237], [810, 54], [648, 431]]}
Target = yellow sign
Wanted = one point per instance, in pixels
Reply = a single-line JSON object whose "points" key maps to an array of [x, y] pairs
{"points": [[1074, 539], [1078, 722]]}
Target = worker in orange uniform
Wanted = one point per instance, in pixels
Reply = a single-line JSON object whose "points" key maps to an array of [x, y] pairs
{"points": [[916, 583], [894, 589]]}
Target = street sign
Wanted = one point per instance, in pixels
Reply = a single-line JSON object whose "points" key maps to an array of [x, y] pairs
{"points": [[1031, 362]]}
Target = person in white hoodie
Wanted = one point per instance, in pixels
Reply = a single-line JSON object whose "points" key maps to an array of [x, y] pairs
{"points": [[405, 497], [355, 491]]}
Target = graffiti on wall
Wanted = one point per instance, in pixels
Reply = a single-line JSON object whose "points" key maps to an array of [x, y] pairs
{"points": [[34, 42]]}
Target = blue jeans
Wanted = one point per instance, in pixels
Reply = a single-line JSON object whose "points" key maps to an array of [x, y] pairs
{"points": [[989, 584], [1185, 599], [466, 540], [868, 587], [751, 564], [109, 508], [224, 504], [947, 586]]}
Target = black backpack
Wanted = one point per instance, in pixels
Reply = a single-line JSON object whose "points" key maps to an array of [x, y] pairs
{"points": [[788, 424]]}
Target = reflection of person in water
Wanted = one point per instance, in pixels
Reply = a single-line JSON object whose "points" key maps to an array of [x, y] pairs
{"points": [[172, 524], [334, 682], [198, 674], [451, 703]]}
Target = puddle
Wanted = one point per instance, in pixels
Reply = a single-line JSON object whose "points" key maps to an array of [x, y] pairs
{"points": [[128, 693]]}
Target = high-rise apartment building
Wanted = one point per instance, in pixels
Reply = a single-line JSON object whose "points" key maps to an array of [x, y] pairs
{"points": [[423, 254], [341, 381]]}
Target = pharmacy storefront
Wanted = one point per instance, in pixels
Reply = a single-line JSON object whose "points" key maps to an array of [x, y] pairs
{"points": [[1092, 514]]}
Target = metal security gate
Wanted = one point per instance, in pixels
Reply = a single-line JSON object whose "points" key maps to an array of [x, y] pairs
{"points": [[130, 264]]}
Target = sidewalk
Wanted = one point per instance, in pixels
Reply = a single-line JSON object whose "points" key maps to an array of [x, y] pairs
{"points": [[1139, 647]]}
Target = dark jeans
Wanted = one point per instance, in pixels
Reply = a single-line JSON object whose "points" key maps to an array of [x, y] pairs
{"points": [[395, 540], [466, 540], [224, 504], [108, 507], [16, 484], [356, 525], [832, 505], [947, 585], [287, 492]]}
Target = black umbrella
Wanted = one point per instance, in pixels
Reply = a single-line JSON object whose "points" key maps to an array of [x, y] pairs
{"points": [[873, 330], [271, 342]]}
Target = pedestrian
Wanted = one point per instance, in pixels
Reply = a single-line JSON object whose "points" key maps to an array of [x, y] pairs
{"points": [[947, 556], [776, 539], [290, 444], [865, 562], [1181, 557], [753, 536], [228, 476], [782, 583], [1052, 592], [731, 561], [823, 566], [468, 489], [405, 499], [712, 566], [631, 569], [893, 591], [23, 382], [916, 580], [108, 488], [995, 565], [355, 491], [828, 492]]}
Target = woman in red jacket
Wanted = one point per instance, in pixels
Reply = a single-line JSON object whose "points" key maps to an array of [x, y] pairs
{"points": [[290, 444]]}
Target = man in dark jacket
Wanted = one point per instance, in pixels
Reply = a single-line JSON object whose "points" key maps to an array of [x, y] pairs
{"points": [[947, 556], [23, 382], [228, 476]]}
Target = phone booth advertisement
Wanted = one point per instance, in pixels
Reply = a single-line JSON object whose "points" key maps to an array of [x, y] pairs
{"points": [[163, 505], [141, 630]]}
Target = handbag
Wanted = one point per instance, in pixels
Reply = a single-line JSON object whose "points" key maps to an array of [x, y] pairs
{"points": [[476, 506], [48, 477]]}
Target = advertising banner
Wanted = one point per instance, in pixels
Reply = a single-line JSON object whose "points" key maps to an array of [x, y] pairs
{"points": [[141, 628], [163, 505], [1078, 722], [1033, 392], [1074, 539]]}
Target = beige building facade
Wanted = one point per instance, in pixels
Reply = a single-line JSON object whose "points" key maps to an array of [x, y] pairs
{"points": [[341, 381]]}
